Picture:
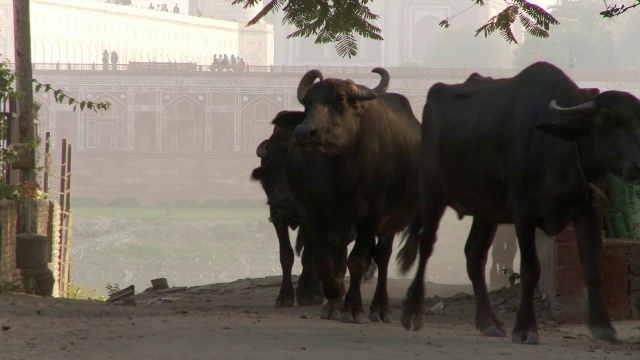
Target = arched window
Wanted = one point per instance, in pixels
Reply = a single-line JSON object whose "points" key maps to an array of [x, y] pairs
{"points": [[105, 130], [183, 125]]}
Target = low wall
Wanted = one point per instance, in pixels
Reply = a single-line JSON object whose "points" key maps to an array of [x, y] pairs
{"points": [[8, 220], [44, 235], [563, 282]]}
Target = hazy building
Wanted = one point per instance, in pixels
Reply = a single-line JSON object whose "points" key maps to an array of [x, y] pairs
{"points": [[78, 31], [409, 28]]}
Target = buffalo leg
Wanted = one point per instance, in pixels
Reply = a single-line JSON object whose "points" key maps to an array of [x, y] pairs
{"points": [[325, 268], [413, 304], [380, 304], [587, 227], [475, 250], [357, 263], [526, 328], [286, 296], [309, 290]]}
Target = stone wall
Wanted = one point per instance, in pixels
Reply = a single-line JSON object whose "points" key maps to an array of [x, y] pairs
{"points": [[562, 280], [8, 218], [24, 255]]}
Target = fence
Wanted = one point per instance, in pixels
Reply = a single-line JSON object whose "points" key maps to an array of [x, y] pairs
{"points": [[66, 218]]}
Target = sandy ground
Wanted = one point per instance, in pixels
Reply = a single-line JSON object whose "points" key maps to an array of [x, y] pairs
{"points": [[239, 321]]}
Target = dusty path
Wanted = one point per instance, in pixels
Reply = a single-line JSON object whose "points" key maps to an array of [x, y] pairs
{"points": [[238, 321]]}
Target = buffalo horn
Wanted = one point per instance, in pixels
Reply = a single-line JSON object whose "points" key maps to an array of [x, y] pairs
{"points": [[261, 151], [306, 82], [585, 108], [364, 93]]}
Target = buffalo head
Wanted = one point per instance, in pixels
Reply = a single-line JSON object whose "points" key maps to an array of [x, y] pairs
{"points": [[333, 110], [272, 172], [607, 128]]}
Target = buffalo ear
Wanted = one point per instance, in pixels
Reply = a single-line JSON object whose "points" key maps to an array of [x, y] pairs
{"points": [[591, 93], [288, 119], [568, 128], [256, 174]]}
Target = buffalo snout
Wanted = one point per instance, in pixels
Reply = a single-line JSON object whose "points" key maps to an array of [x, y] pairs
{"points": [[306, 135], [280, 200]]}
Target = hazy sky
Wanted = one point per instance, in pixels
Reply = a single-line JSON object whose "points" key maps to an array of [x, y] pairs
{"points": [[184, 4]]}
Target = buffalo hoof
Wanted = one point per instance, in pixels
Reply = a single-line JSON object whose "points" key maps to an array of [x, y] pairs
{"points": [[330, 311], [492, 331], [525, 337], [387, 316], [309, 295], [409, 316], [606, 334], [310, 300], [284, 302], [360, 318]]}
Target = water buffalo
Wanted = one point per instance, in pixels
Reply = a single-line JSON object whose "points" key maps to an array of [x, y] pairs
{"points": [[531, 150], [285, 213], [356, 177]]}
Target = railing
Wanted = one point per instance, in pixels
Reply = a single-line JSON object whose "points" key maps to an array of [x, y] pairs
{"points": [[408, 72]]}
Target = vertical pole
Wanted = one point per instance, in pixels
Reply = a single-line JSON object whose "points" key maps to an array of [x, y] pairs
{"points": [[22, 32], [68, 224], [47, 154], [62, 250], [26, 133]]}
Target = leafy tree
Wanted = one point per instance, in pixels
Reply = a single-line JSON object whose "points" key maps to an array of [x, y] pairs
{"points": [[336, 21], [331, 21], [584, 40]]}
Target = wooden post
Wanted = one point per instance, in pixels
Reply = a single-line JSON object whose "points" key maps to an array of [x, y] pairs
{"points": [[47, 154], [22, 31], [68, 222], [62, 256], [26, 133]]}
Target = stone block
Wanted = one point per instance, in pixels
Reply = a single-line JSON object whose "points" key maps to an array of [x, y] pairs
{"points": [[40, 281], [564, 282], [33, 251], [614, 272]]}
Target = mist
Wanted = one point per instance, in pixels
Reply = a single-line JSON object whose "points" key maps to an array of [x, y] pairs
{"points": [[161, 180]]}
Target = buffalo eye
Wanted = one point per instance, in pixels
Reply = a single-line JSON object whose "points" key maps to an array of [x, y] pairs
{"points": [[607, 118], [340, 98]]}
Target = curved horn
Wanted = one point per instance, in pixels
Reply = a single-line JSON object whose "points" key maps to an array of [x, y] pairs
{"points": [[306, 82], [261, 151], [585, 108], [364, 93]]}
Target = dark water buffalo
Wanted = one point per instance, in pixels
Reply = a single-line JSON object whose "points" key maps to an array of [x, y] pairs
{"points": [[285, 213], [356, 176], [529, 150]]}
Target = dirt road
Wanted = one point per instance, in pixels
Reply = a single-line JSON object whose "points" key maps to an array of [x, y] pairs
{"points": [[238, 321]]}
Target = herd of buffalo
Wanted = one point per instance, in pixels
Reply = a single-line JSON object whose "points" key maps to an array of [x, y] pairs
{"points": [[356, 165]]}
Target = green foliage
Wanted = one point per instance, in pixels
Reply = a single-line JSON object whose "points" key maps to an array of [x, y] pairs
{"points": [[340, 20], [61, 97], [29, 286], [534, 19], [615, 10], [595, 44], [27, 189], [81, 292], [336, 21], [8, 286], [112, 289]]}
